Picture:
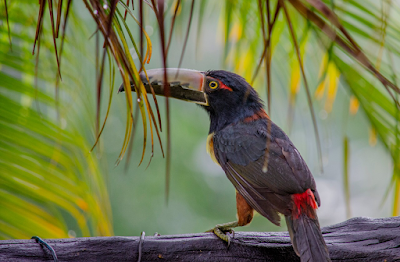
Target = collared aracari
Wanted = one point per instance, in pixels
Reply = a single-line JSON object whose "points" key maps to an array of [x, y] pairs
{"points": [[241, 136]]}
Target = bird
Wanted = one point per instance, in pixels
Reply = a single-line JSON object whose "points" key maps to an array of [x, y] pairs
{"points": [[241, 137]]}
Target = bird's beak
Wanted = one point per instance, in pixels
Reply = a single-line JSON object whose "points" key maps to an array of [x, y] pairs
{"points": [[184, 84]]}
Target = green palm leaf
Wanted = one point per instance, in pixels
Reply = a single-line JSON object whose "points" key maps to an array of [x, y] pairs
{"points": [[49, 184]]}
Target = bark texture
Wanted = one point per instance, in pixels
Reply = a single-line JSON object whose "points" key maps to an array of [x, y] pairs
{"points": [[357, 239]]}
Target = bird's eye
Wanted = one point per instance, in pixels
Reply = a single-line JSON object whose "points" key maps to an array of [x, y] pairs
{"points": [[213, 84]]}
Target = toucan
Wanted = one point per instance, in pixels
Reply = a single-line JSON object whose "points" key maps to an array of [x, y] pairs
{"points": [[268, 172]]}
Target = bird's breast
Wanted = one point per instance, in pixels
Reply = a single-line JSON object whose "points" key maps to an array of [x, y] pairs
{"points": [[210, 147]]}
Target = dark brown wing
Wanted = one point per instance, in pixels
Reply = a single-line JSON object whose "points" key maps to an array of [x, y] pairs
{"points": [[240, 150]]}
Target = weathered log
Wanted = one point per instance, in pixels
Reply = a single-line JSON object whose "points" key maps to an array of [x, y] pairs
{"points": [[357, 239]]}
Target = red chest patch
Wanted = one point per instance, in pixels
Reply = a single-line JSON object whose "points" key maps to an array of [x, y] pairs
{"points": [[260, 114]]}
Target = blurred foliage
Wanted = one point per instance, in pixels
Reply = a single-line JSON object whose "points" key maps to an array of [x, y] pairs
{"points": [[285, 45], [49, 184]]}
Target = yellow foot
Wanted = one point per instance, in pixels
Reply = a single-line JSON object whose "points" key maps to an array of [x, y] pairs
{"points": [[221, 231]]}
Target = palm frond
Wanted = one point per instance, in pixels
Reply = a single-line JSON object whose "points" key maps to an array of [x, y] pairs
{"points": [[45, 170]]}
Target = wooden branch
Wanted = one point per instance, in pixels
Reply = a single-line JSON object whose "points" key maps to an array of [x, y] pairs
{"points": [[357, 239]]}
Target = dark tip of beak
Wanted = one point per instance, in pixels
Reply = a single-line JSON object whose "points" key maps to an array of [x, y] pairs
{"points": [[122, 87]]}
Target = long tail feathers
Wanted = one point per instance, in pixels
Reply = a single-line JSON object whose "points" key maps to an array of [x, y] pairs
{"points": [[307, 239]]}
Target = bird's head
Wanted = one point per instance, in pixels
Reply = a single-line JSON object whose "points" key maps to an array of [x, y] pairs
{"points": [[226, 96]]}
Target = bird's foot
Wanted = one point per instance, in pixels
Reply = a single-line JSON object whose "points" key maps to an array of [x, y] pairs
{"points": [[221, 231]]}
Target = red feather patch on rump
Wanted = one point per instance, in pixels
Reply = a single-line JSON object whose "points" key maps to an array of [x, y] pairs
{"points": [[304, 203]]}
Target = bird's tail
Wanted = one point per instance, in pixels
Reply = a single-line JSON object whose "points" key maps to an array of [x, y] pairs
{"points": [[304, 229]]}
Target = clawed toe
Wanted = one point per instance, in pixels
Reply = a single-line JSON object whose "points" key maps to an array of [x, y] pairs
{"points": [[224, 234], [224, 231]]}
